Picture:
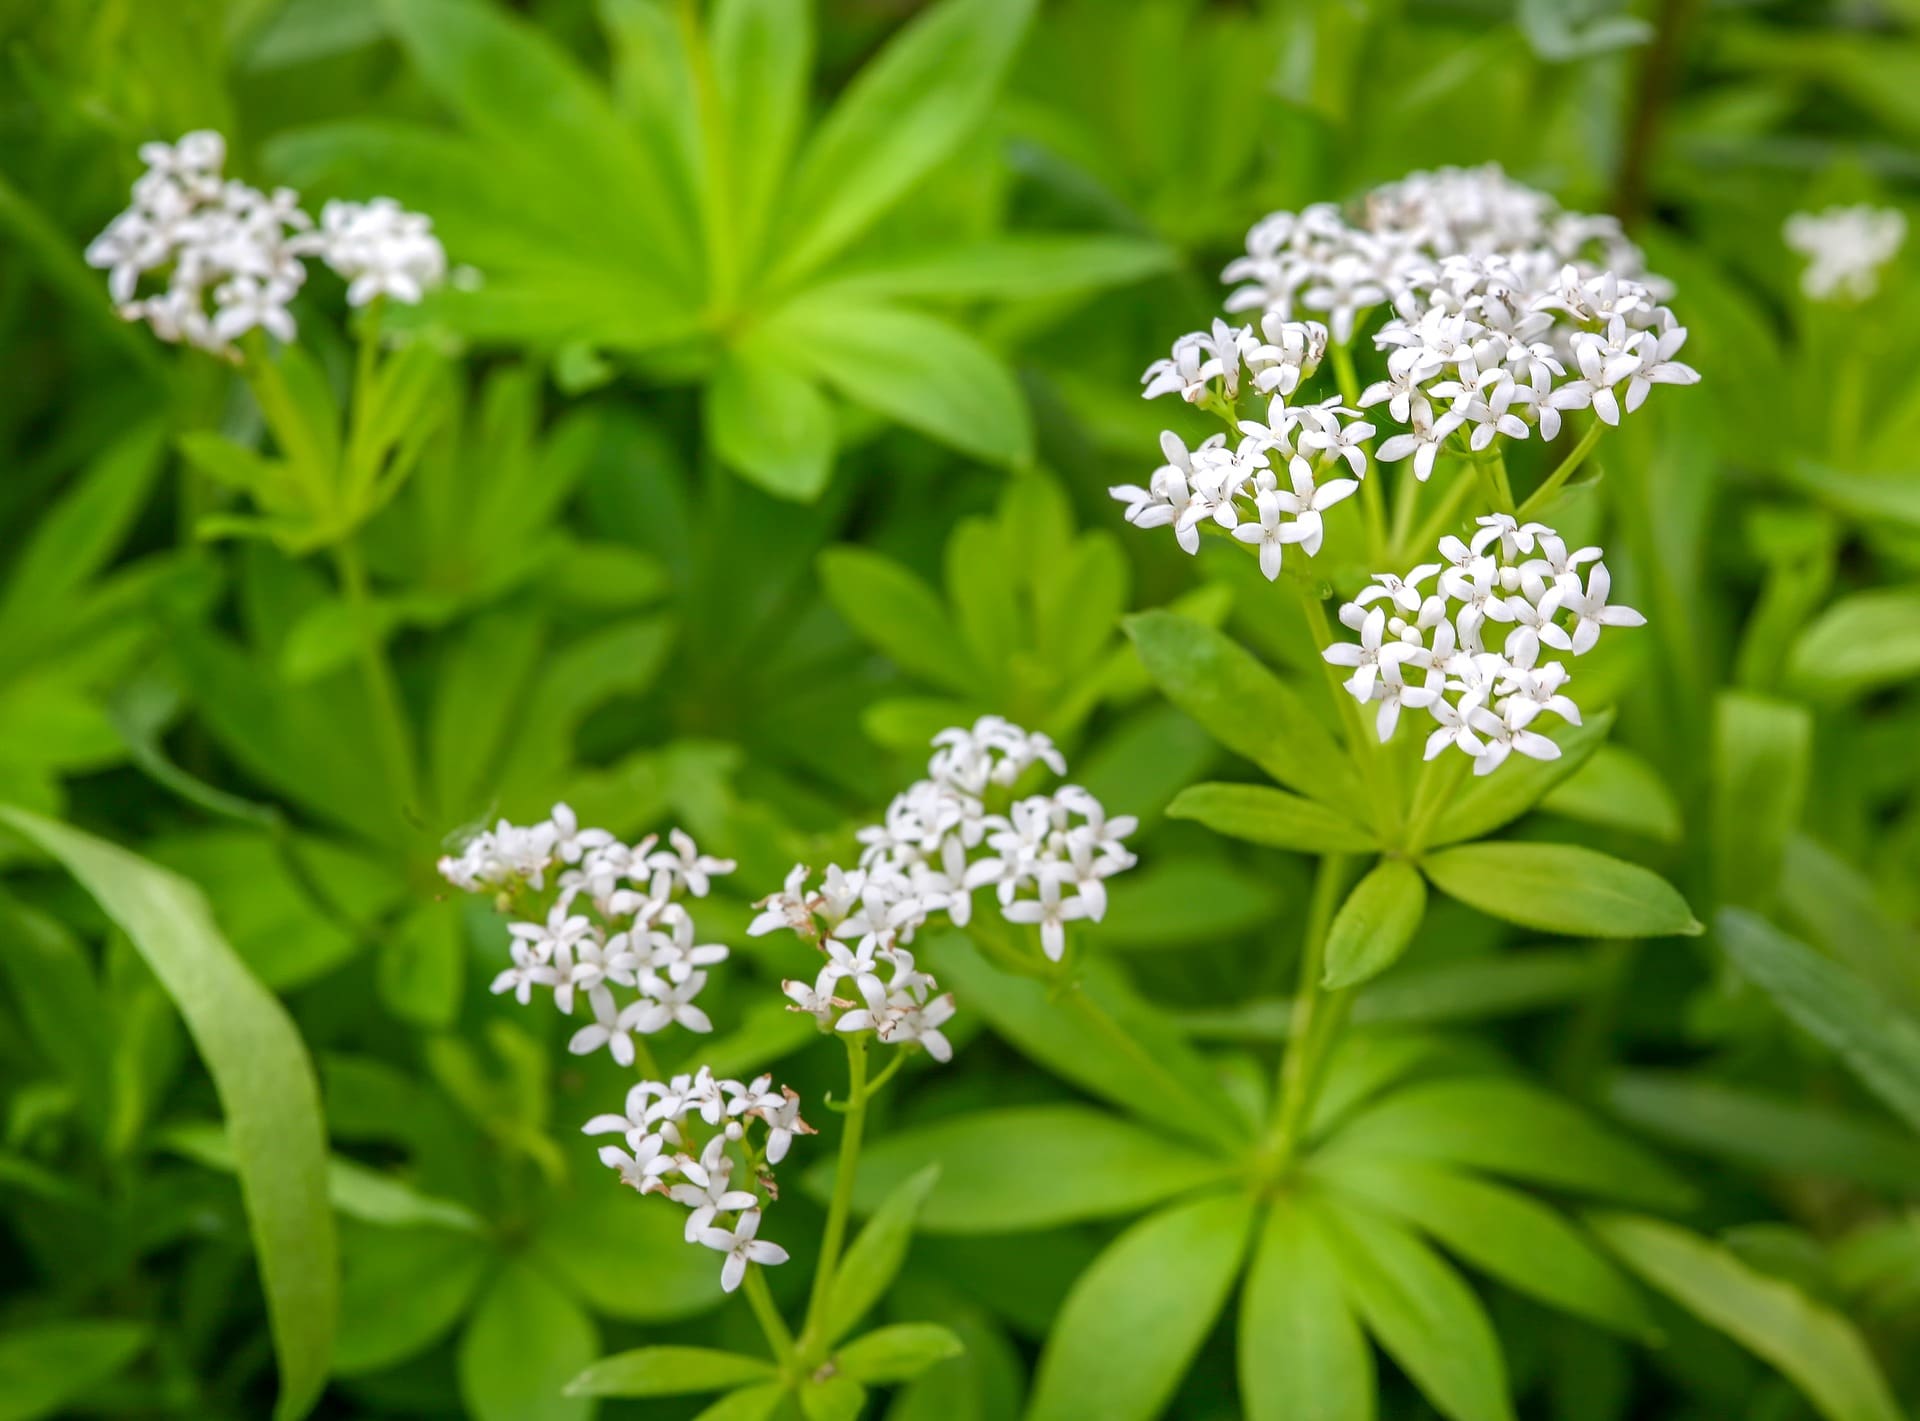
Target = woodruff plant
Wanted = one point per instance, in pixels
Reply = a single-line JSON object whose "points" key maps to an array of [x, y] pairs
{"points": [[592, 918]]}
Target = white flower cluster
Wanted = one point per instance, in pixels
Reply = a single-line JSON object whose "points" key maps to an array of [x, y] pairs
{"points": [[232, 257], [1518, 576], [1845, 248], [1239, 487], [616, 920], [1047, 858], [664, 1154]]}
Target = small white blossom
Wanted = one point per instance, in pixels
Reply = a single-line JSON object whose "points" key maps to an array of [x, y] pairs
{"points": [[742, 1248], [1845, 249]]}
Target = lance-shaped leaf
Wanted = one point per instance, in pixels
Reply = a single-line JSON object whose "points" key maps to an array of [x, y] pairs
{"points": [[46, 1366], [1302, 1354], [898, 1353], [869, 1266], [1375, 924], [262, 1075], [1262, 815], [1561, 888], [523, 1344], [669, 1371], [1488, 802], [1136, 1317], [1816, 1348]]}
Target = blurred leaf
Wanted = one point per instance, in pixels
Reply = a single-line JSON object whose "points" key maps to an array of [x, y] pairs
{"points": [[762, 54], [917, 369], [754, 1403], [1269, 816], [1878, 1042], [1243, 705], [46, 1366], [1563, 30], [898, 613], [523, 1344], [771, 423], [1028, 1167], [1862, 642], [868, 1267], [264, 1080], [1500, 1231], [1817, 1349], [1761, 752], [1135, 1319], [402, 1290], [669, 1371], [832, 1398], [902, 114], [898, 1353], [1375, 924], [1769, 1132], [1185, 902], [1422, 1312], [1616, 789], [597, 1243], [1006, 268], [1561, 888], [1508, 1127], [1302, 1354], [1489, 802]]}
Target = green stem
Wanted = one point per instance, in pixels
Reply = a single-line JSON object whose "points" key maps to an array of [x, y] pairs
{"points": [[359, 473], [1317, 1016], [1496, 465], [1364, 748], [390, 721], [834, 1236], [771, 1323], [1849, 401], [1373, 501], [1537, 500], [1441, 519], [1438, 781], [1406, 501]]}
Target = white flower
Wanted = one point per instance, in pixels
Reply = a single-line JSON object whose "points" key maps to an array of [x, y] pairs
{"points": [[705, 1190], [741, 1248], [783, 1120], [1592, 612], [684, 865], [1373, 657], [1846, 247], [1051, 912], [380, 249]]}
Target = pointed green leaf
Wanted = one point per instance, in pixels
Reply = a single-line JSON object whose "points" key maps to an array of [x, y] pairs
{"points": [[402, 1290], [1761, 753], [1135, 1319], [898, 1353], [1244, 706], [46, 1366], [754, 1403], [1862, 641], [898, 613], [762, 60], [1261, 815], [669, 1371], [1616, 789], [832, 1398], [1500, 1231], [1302, 1354], [262, 1075], [1008, 268], [1879, 1042], [1817, 1349], [1508, 1127], [1423, 1313], [771, 423], [1488, 802], [1029, 1167], [1375, 924], [902, 114], [868, 1268], [523, 1344], [1561, 888]]}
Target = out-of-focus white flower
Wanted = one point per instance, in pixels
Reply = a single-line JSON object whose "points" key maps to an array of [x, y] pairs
{"points": [[1845, 248], [380, 249], [1427, 651]]}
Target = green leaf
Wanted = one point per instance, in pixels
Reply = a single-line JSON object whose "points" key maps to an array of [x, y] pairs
{"points": [[1375, 924], [1029, 1167], [1243, 705], [264, 1080], [1862, 642], [1774, 1133], [1273, 817], [330, 634], [1761, 754], [898, 1353], [1137, 1316], [1104, 1039], [1302, 1354], [762, 56], [898, 613], [902, 114], [402, 1290], [868, 1268], [1561, 888], [754, 1403], [913, 368], [596, 1242], [1508, 1127], [1185, 902], [832, 1398], [74, 539], [1009, 267], [1490, 801], [1616, 789], [1500, 1231], [771, 423], [1879, 1042], [669, 1371], [523, 1344], [1817, 1349], [510, 82], [44, 1367], [1423, 1312]]}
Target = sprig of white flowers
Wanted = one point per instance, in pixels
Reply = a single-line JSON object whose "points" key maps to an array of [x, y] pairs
{"points": [[1520, 576], [662, 1128], [232, 258], [1845, 248], [616, 919], [1047, 858]]}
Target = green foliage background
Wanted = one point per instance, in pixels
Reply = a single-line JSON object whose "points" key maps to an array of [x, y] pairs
{"points": [[775, 438]]}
